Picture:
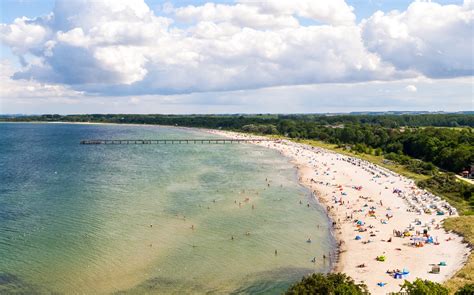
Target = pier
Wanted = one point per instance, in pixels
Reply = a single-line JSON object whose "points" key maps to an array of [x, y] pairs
{"points": [[171, 141]]}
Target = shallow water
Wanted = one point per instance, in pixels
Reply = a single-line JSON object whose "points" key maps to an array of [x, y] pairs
{"points": [[102, 219]]}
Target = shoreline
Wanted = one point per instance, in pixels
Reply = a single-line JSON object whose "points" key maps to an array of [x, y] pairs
{"points": [[341, 185], [335, 254], [347, 187]]}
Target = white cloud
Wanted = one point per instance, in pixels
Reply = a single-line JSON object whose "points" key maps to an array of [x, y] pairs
{"points": [[434, 39], [120, 47], [126, 61], [240, 15], [411, 88], [330, 97], [134, 100], [334, 12], [24, 34], [15, 89], [74, 37], [269, 14]]}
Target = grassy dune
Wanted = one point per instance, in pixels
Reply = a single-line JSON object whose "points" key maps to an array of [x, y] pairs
{"points": [[463, 225]]}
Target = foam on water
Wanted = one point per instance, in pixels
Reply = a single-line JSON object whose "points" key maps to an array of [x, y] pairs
{"points": [[113, 218]]}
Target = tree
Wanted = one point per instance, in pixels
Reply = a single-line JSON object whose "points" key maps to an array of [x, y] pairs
{"points": [[330, 284], [395, 147], [468, 289], [378, 151], [423, 287], [347, 134]]}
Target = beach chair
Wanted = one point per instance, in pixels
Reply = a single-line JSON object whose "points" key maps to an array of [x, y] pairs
{"points": [[435, 269]]}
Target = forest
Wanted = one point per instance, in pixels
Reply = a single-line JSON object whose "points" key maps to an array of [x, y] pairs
{"points": [[448, 148]]}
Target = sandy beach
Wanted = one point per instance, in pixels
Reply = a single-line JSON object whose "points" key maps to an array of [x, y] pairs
{"points": [[388, 229]]}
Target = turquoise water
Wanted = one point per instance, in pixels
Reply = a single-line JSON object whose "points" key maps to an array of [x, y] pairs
{"points": [[150, 218]]}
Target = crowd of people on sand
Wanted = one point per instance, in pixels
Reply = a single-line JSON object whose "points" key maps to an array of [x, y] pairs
{"points": [[377, 204]]}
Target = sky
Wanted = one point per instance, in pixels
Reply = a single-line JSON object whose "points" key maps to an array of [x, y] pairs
{"points": [[246, 56]]}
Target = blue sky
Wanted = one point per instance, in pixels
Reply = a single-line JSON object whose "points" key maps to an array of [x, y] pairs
{"points": [[226, 57]]}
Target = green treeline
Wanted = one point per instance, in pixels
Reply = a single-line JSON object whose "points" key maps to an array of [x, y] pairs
{"points": [[449, 149], [238, 121], [433, 138]]}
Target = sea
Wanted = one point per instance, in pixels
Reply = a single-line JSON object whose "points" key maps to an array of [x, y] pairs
{"points": [[151, 219]]}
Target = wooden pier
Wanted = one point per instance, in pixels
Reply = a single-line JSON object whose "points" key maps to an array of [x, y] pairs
{"points": [[170, 141]]}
